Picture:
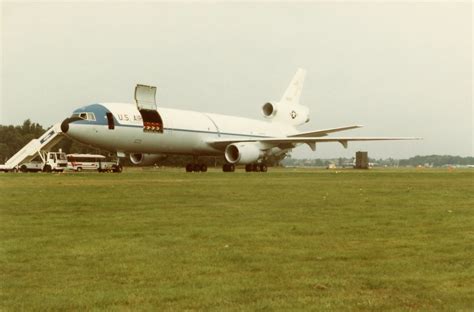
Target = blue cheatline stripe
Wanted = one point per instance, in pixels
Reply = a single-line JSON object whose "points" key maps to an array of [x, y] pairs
{"points": [[201, 131]]}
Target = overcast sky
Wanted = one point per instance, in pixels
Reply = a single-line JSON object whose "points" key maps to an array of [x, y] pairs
{"points": [[398, 68]]}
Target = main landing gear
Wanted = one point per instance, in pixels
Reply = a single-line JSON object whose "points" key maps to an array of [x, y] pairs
{"points": [[196, 168], [248, 168], [256, 168], [228, 167]]}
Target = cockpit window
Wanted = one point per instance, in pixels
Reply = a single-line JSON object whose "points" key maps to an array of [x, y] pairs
{"points": [[85, 116]]}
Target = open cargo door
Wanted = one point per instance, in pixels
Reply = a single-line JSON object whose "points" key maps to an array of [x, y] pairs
{"points": [[145, 97]]}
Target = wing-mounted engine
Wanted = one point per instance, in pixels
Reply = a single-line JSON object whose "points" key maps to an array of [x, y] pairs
{"points": [[145, 159], [289, 114], [243, 153], [145, 97]]}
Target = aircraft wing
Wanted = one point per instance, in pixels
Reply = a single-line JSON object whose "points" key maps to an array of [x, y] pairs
{"points": [[290, 142], [323, 132]]}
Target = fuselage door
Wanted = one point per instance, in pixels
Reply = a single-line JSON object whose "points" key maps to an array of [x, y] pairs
{"points": [[145, 97]]}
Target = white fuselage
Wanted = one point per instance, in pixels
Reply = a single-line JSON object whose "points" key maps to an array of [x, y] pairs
{"points": [[184, 132]]}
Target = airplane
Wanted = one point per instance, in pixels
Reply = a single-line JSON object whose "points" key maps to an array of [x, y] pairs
{"points": [[146, 132]]}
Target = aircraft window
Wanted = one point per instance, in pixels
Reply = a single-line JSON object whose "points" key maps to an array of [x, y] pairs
{"points": [[85, 116], [90, 116]]}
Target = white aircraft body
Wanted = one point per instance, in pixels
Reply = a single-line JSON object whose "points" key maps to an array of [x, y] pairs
{"points": [[147, 132]]}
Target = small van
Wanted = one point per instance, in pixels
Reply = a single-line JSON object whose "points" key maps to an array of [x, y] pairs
{"points": [[79, 162]]}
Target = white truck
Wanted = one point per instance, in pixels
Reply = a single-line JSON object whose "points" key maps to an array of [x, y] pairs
{"points": [[46, 162]]}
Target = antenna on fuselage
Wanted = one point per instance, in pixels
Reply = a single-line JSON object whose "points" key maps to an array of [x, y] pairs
{"points": [[145, 97]]}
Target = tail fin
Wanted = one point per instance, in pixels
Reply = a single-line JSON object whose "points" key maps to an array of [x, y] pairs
{"points": [[288, 110], [293, 92]]}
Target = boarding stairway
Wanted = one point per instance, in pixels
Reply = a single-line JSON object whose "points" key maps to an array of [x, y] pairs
{"points": [[44, 143]]}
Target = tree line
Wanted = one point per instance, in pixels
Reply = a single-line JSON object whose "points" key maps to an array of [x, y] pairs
{"points": [[428, 160]]}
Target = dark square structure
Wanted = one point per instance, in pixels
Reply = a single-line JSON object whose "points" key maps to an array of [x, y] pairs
{"points": [[362, 160]]}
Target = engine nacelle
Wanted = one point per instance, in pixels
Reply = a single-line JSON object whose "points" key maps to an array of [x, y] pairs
{"points": [[293, 114], [269, 110], [145, 159], [243, 153]]}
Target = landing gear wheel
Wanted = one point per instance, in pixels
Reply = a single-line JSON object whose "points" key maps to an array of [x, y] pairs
{"points": [[196, 167], [203, 168], [263, 168], [256, 168], [189, 168], [47, 168], [248, 168], [228, 168], [115, 168]]}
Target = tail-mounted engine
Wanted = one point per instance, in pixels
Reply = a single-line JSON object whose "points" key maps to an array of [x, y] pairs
{"points": [[293, 114], [288, 110]]}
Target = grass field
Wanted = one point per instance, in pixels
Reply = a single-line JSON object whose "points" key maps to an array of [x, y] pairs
{"points": [[287, 240]]}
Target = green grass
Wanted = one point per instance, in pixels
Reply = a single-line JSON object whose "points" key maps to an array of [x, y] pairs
{"points": [[321, 240]]}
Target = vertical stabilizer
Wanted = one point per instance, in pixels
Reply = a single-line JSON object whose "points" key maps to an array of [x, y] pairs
{"points": [[293, 92], [288, 110]]}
